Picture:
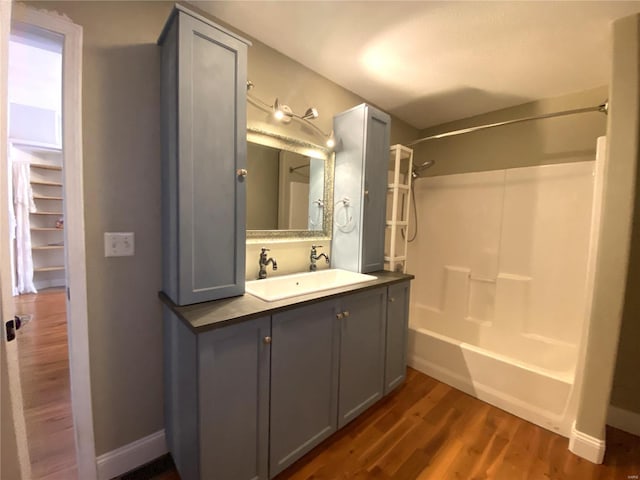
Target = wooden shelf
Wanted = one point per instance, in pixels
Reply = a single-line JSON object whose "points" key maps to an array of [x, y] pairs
{"points": [[391, 223], [47, 167], [46, 229], [46, 213], [45, 182], [401, 258], [48, 269], [48, 247], [35, 146], [400, 186], [46, 197]]}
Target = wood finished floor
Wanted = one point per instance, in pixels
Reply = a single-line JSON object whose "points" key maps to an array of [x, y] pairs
{"points": [[44, 374], [427, 430]]}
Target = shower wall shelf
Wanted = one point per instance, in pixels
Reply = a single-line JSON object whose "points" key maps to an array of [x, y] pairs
{"points": [[398, 203]]}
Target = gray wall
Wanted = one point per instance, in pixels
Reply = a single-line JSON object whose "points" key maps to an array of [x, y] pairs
{"points": [[556, 140], [626, 384], [121, 140]]}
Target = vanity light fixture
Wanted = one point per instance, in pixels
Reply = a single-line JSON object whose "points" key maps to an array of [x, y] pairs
{"points": [[283, 113], [310, 114], [331, 141]]}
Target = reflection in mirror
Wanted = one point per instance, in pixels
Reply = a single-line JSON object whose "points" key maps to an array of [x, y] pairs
{"points": [[285, 190], [289, 187]]}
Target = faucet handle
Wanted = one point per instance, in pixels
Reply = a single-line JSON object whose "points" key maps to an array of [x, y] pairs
{"points": [[264, 249], [316, 246]]}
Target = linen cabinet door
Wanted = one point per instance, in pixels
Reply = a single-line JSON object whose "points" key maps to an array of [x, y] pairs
{"points": [[362, 343], [397, 325], [233, 366], [304, 382], [212, 122], [374, 201]]}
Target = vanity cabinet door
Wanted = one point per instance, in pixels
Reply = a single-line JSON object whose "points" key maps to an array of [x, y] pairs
{"points": [[233, 399], [204, 149], [360, 188], [362, 350], [397, 325], [304, 381]]}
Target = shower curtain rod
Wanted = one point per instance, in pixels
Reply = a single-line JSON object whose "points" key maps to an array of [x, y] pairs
{"points": [[603, 108]]}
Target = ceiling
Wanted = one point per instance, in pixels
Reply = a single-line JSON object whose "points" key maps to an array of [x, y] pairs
{"points": [[432, 62]]}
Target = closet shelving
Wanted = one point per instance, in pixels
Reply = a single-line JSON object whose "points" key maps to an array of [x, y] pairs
{"points": [[398, 203], [47, 229]]}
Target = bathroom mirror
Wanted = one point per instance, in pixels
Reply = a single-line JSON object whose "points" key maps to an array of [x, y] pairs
{"points": [[289, 188]]}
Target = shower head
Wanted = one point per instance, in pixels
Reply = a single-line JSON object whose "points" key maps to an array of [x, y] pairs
{"points": [[415, 171]]}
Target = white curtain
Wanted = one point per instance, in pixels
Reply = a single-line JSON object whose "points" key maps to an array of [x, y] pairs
{"points": [[23, 204], [12, 228]]}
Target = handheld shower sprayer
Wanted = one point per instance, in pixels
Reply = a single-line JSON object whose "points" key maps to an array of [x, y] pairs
{"points": [[416, 169], [415, 174]]}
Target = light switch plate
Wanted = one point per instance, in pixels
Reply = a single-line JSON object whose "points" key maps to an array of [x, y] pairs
{"points": [[119, 244]]}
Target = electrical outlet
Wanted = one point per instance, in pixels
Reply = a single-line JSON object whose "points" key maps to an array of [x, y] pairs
{"points": [[119, 244]]}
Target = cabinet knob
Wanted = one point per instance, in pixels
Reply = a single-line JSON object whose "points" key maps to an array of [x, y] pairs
{"points": [[267, 340], [366, 193], [340, 315], [392, 299], [242, 172], [346, 313]]}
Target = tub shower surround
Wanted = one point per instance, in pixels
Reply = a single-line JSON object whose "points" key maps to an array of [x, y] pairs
{"points": [[500, 300]]}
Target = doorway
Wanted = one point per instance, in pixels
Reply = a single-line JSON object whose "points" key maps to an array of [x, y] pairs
{"points": [[52, 360], [37, 231]]}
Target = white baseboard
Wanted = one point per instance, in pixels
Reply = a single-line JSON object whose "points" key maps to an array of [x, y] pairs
{"points": [[586, 446], [131, 456], [624, 420]]}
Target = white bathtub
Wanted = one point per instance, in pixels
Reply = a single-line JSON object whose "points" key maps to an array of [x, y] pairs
{"points": [[528, 377], [504, 264]]}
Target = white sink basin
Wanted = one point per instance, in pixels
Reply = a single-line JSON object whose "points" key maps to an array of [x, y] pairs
{"points": [[277, 288]]}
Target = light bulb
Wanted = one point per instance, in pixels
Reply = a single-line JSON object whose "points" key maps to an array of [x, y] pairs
{"points": [[278, 115], [331, 142]]}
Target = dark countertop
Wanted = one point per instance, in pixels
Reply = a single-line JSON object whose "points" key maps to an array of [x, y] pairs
{"points": [[219, 313]]}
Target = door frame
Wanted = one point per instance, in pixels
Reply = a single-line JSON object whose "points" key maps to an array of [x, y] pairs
{"points": [[75, 258]]}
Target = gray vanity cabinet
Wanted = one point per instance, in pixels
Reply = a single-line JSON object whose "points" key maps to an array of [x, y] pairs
{"points": [[304, 381], [217, 399], [246, 400], [362, 352], [203, 100], [396, 342], [360, 188]]}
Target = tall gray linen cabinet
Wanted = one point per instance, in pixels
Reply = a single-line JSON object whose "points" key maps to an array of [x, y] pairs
{"points": [[203, 101], [360, 189]]}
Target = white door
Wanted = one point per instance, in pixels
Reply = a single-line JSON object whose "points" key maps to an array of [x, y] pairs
{"points": [[15, 455], [13, 431]]}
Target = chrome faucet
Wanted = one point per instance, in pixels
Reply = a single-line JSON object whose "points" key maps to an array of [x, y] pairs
{"points": [[314, 256], [264, 263]]}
